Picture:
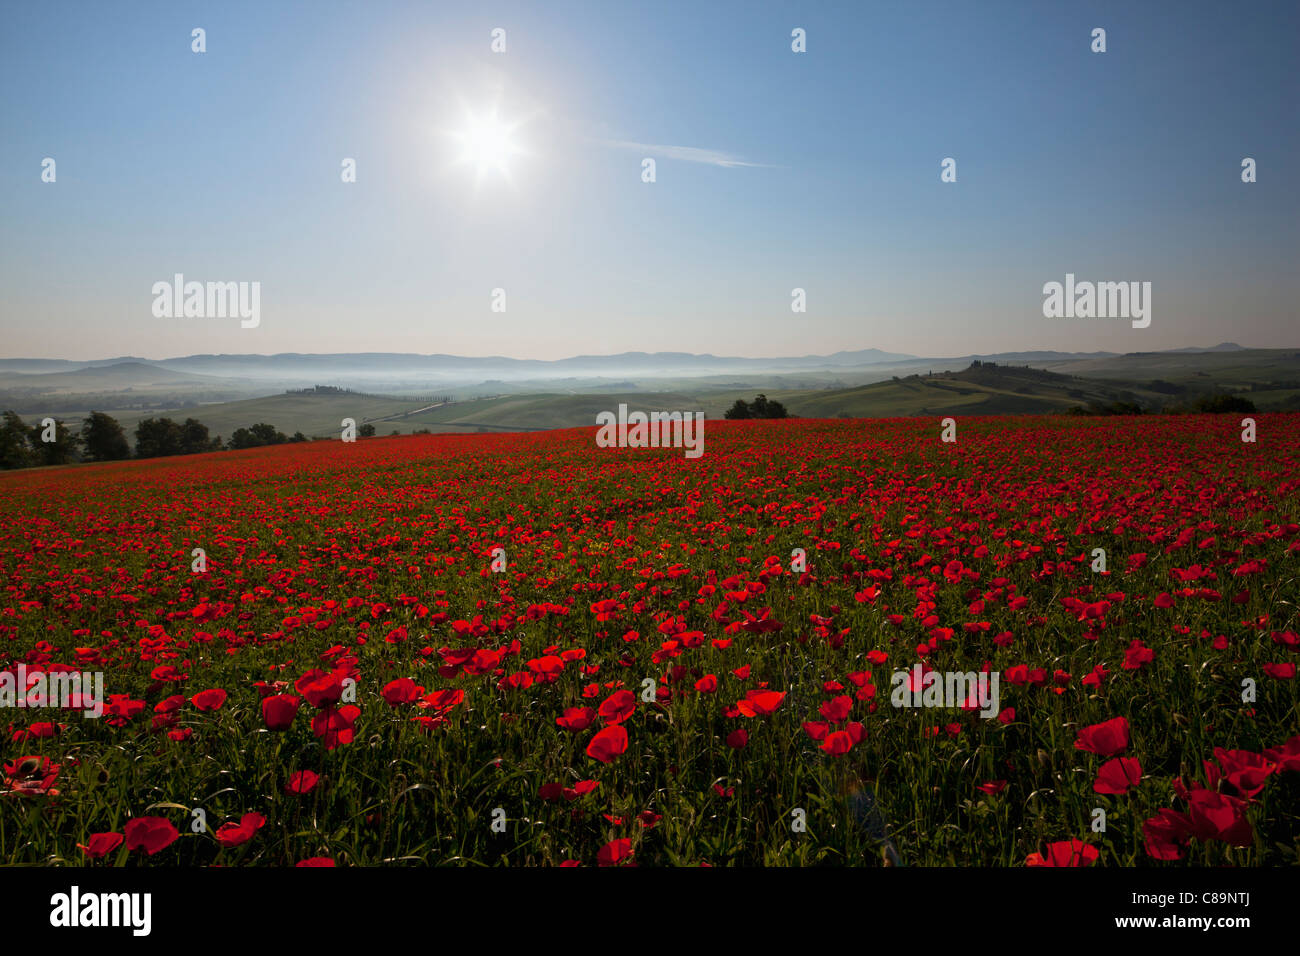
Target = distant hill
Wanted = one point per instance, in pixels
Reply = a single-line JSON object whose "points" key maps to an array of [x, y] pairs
{"points": [[822, 386], [87, 378], [998, 389], [409, 373], [401, 369], [63, 365], [1221, 347], [986, 389], [117, 385], [1230, 367]]}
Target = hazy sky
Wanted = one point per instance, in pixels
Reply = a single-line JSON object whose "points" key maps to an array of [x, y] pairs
{"points": [[775, 170]]}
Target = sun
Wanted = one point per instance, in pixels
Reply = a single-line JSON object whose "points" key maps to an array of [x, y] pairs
{"points": [[488, 145]]}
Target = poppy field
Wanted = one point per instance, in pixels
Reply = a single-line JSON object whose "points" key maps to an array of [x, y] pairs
{"points": [[524, 649]]}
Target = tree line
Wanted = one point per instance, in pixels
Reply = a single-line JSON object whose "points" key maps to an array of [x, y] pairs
{"points": [[102, 438], [760, 407]]}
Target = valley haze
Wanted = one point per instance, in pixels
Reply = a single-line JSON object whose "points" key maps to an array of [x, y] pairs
{"points": [[407, 392]]}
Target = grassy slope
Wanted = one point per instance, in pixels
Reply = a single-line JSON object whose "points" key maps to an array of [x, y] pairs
{"points": [[309, 414], [320, 415], [979, 391], [555, 411]]}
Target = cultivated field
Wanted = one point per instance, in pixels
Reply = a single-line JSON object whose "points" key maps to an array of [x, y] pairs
{"points": [[655, 677]]}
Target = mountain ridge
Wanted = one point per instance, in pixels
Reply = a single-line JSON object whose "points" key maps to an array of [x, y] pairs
{"points": [[854, 357]]}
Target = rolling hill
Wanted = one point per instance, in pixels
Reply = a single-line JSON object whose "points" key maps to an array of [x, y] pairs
{"points": [[132, 390]]}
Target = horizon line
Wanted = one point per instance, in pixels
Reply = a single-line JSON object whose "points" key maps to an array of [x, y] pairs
{"points": [[905, 356]]}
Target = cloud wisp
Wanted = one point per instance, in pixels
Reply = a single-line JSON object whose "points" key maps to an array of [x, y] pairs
{"points": [[690, 154]]}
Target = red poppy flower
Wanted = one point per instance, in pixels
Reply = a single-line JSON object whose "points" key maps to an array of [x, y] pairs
{"points": [[1064, 853], [234, 834], [1105, 739], [169, 704], [576, 719], [760, 702], [320, 688], [615, 852], [403, 690], [1165, 835], [816, 729], [1287, 756], [150, 834], [279, 710], [334, 725], [1117, 775], [122, 709], [1217, 816], [301, 782], [840, 742], [101, 844], [442, 700], [547, 669], [581, 788], [618, 707], [209, 699], [837, 709], [32, 776], [1247, 772], [608, 743]]}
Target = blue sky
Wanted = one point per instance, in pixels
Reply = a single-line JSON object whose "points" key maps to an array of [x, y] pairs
{"points": [[225, 166]]}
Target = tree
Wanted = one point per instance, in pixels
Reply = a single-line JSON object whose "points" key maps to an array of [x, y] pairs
{"points": [[775, 410], [61, 451], [103, 438], [1224, 403], [194, 438], [738, 410], [157, 438], [15, 446], [256, 436], [760, 407], [366, 431]]}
